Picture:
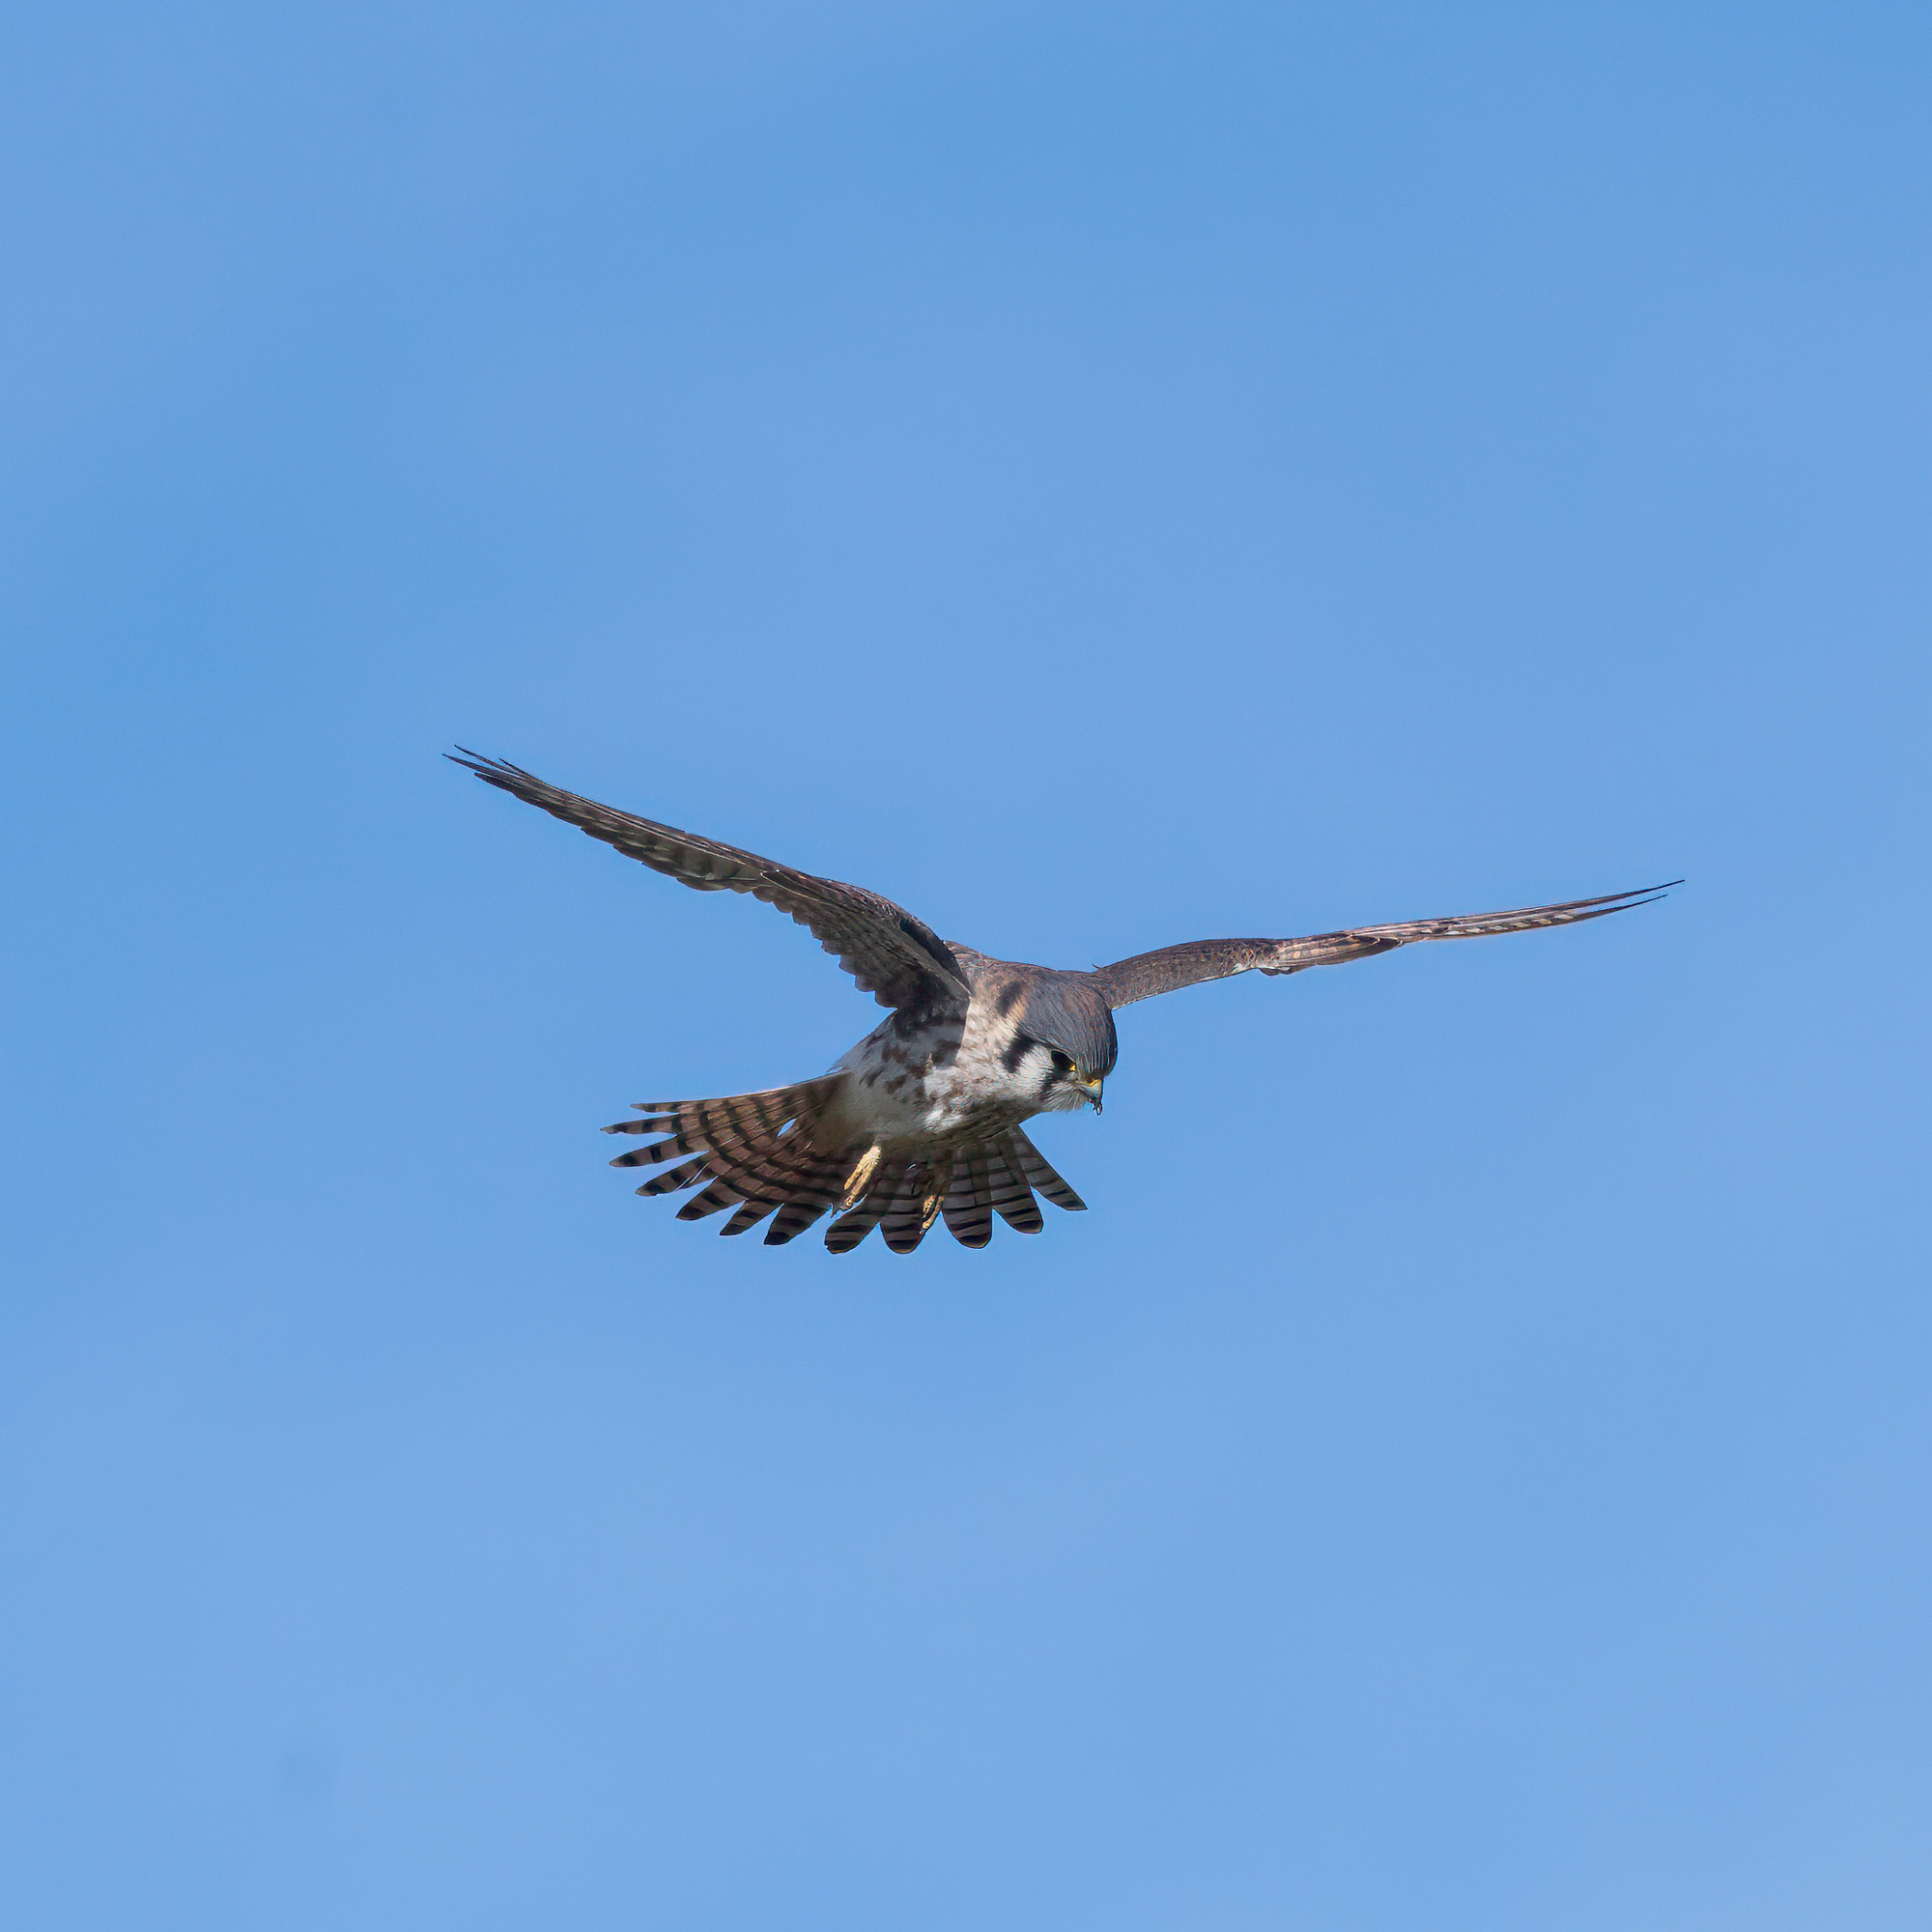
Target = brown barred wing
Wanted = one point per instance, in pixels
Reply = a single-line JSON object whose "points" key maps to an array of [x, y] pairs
{"points": [[891, 955], [1172, 967]]}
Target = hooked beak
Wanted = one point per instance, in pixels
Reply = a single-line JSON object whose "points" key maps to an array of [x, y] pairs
{"points": [[1093, 1088]]}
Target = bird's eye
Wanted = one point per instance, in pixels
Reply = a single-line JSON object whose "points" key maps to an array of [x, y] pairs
{"points": [[1061, 1062]]}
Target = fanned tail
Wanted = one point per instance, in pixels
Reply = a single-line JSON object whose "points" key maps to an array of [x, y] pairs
{"points": [[756, 1155], [975, 1181]]}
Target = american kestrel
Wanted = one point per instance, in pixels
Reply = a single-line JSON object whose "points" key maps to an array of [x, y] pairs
{"points": [[923, 1117]]}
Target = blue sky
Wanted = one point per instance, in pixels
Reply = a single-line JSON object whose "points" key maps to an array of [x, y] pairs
{"points": [[1102, 475]]}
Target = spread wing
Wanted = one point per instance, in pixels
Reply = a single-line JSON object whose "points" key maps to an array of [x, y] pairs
{"points": [[1172, 967], [888, 951]]}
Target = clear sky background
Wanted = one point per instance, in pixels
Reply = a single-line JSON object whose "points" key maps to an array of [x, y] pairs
{"points": [[1102, 475]]}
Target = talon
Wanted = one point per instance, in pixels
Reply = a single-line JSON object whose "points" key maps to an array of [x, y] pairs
{"points": [[936, 1187], [860, 1179]]}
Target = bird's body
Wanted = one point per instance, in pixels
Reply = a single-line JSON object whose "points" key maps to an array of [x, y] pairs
{"points": [[938, 1082], [928, 1088], [923, 1117]]}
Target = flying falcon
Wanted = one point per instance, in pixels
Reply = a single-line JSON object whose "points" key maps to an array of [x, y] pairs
{"points": [[923, 1118]]}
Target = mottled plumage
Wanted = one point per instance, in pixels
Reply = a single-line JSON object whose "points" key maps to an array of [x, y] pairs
{"points": [[923, 1118]]}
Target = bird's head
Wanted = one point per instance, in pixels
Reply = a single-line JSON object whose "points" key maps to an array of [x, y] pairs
{"points": [[1064, 1045], [1066, 1086]]}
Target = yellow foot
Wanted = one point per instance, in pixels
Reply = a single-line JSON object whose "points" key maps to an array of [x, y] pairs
{"points": [[860, 1179]]}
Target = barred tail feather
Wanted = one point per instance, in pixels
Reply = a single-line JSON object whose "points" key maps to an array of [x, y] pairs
{"points": [[850, 1228], [754, 1151], [756, 1157], [1013, 1198], [686, 1174], [816, 1189], [748, 1216], [916, 1207], [713, 1200], [1041, 1176], [969, 1200]]}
